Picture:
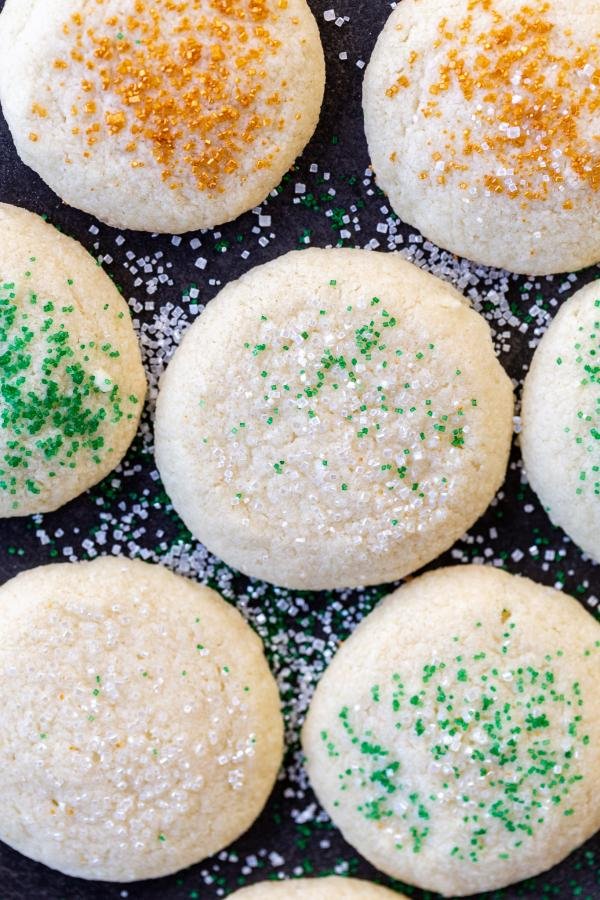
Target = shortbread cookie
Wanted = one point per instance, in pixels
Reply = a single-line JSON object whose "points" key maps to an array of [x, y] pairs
{"points": [[72, 385], [140, 727], [160, 116], [560, 436], [317, 889], [334, 418], [455, 737], [482, 121]]}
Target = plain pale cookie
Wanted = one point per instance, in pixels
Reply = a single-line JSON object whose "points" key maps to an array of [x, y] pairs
{"points": [[72, 385], [334, 418], [455, 737], [140, 727], [161, 116], [316, 889], [481, 118], [560, 437]]}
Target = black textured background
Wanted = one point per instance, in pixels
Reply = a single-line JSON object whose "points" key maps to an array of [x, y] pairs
{"points": [[515, 521]]}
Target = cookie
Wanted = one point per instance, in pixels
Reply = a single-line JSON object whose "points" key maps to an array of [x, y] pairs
{"points": [[455, 737], [481, 120], [334, 418], [161, 116], [560, 437], [72, 385], [317, 889], [140, 726]]}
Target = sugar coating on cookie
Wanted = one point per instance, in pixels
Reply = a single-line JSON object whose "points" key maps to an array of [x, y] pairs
{"points": [[560, 437], [332, 888], [455, 737], [481, 118], [333, 418], [140, 725], [161, 116], [72, 385]]}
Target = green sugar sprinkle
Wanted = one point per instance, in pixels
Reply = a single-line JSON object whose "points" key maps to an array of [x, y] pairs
{"points": [[584, 358], [52, 407], [501, 736], [328, 370]]}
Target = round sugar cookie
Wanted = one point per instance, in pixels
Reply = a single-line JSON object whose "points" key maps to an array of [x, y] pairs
{"points": [[72, 385], [481, 120], [455, 737], [334, 418], [560, 436], [140, 727], [331, 888], [161, 116]]}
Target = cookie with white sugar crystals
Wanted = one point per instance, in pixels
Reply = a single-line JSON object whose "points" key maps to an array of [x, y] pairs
{"points": [[455, 737], [331, 888], [72, 384], [140, 729], [481, 118], [560, 436], [334, 418], [161, 116]]}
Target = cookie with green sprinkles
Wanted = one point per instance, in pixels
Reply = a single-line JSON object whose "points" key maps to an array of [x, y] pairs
{"points": [[331, 888], [455, 737], [334, 418], [72, 385], [141, 729], [560, 437]]}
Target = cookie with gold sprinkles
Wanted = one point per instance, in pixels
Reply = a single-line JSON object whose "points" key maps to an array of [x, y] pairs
{"points": [[560, 436], [161, 116], [455, 737], [140, 729], [331, 888], [332, 419], [482, 123], [72, 385]]}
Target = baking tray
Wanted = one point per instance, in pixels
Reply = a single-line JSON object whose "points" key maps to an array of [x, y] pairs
{"points": [[328, 199]]}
